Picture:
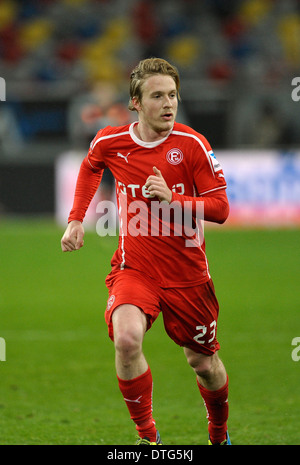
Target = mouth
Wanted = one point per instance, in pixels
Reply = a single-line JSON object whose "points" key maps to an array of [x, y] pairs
{"points": [[167, 116]]}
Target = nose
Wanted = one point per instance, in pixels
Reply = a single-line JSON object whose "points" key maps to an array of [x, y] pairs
{"points": [[167, 102]]}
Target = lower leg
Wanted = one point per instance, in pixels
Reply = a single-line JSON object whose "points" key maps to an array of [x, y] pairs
{"points": [[137, 393], [216, 404], [133, 373], [211, 373], [212, 381]]}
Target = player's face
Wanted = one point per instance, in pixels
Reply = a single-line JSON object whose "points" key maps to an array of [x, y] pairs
{"points": [[158, 107]]}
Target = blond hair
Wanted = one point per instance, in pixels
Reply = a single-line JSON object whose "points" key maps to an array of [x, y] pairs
{"points": [[145, 69]]}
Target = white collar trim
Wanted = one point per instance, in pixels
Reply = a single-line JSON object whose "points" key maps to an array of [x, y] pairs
{"points": [[148, 145]]}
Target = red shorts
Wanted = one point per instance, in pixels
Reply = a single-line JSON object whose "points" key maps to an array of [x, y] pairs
{"points": [[190, 314]]}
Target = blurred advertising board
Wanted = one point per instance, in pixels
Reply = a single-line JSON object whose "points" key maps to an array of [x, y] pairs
{"points": [[263, 188], [67, 167]]}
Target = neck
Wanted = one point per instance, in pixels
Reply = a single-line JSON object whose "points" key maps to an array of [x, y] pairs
{"points": [[147, 134]]}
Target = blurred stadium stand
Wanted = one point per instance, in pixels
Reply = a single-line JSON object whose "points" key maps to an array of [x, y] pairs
{"points": [[66, 65]]}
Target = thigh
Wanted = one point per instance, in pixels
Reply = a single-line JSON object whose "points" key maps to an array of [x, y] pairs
{"points": [[129, 320], [131, 288], [190, 317]]}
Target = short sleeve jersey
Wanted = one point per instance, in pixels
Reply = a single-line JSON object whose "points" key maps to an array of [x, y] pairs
{"points": [[152, 240]]}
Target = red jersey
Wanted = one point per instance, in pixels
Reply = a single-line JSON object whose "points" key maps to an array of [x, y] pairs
{"points": [[154, 244]]}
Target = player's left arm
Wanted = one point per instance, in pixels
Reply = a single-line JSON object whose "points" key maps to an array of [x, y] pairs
{"points": [[216, 205], [209, 182]]}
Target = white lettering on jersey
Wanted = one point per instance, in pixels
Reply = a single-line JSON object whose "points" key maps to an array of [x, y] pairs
{"points": [[178, 188], [133, 189]]}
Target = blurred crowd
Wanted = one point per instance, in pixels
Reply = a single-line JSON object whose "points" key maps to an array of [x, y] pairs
{"points": [[102, 39], [237, 44]]}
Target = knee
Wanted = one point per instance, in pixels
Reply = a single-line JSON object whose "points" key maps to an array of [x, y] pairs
{"points": [[201, 364], [128, 344], [129, 326]]}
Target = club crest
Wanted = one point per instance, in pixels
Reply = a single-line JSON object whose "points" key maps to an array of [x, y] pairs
{"points": [[174, 156]]}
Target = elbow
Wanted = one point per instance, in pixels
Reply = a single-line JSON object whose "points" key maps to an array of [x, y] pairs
{"points": [[224, 213]]}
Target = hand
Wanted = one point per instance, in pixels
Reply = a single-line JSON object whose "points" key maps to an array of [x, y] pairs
{"points": [[73, 237], [157, 186]]}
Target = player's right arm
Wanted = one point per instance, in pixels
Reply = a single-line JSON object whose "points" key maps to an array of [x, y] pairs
{"points": [[89, 178], [73, 237]]}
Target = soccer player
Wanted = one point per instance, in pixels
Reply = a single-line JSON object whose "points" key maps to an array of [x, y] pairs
{"points": [[160, 265]]}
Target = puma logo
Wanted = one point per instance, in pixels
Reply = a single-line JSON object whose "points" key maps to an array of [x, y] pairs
{"points": [[123, 156], [137, 401]]}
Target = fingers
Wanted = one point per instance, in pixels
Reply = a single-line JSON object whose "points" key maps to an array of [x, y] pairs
{"points": [[79, 239], [72, 238], [79, 242], [157, 172], [154, 185], [154, 180], [67, 244], [157, 186]]}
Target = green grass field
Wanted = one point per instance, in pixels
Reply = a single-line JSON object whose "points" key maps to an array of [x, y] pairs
{"points": [[58, 383]]}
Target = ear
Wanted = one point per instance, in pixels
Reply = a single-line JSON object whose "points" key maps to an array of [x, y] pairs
{"points": [[136, 103]]}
